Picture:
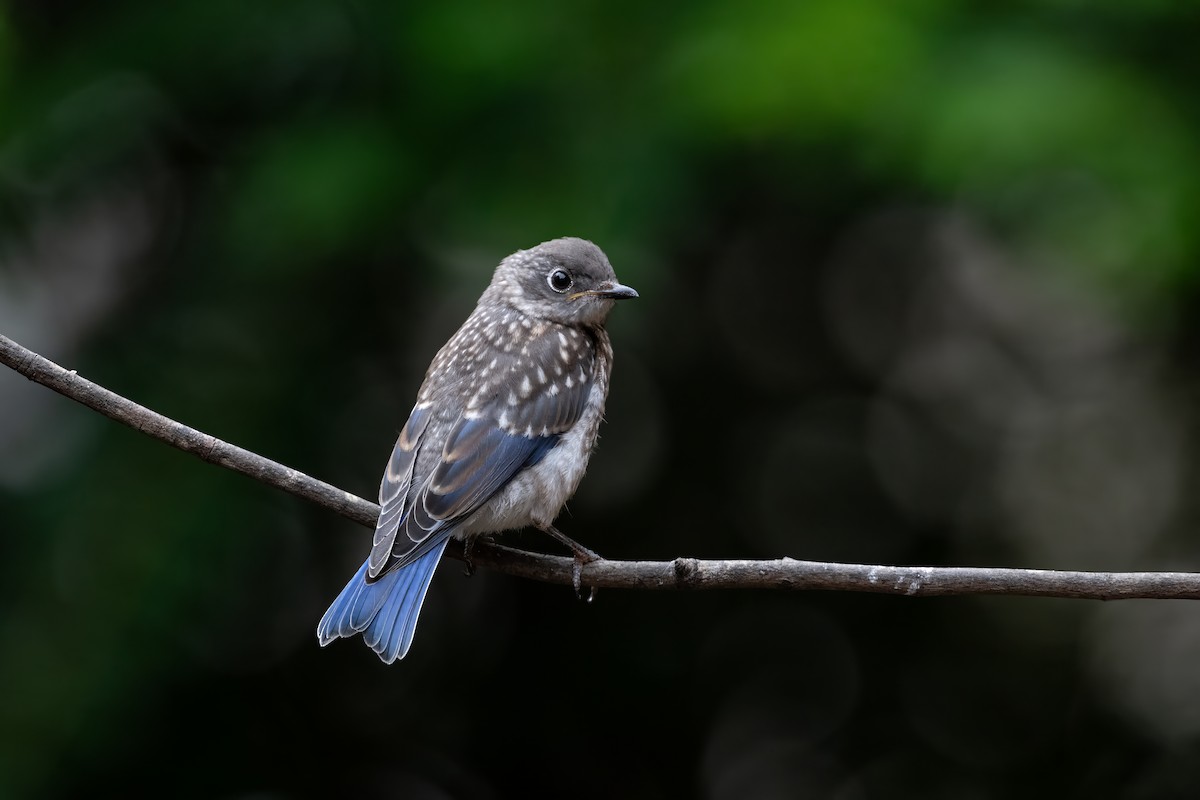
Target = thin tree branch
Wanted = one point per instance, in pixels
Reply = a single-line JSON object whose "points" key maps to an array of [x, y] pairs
{"points": [[208, 448], [680, 573]]}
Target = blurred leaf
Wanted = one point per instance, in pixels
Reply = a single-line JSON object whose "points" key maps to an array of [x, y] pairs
{"points": [[799, 69], [475, 47], [1086, 160], [310, 191]]}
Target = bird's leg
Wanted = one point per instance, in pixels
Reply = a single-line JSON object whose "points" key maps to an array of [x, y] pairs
{"points": [[581, 552], [582, 556], [468, 545]]}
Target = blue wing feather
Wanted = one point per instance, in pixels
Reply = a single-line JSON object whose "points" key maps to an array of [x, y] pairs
{"points": [[493, 458], [478, 461]]}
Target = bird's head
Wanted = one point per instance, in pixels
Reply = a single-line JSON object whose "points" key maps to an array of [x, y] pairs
{"points": [[568, 281]]}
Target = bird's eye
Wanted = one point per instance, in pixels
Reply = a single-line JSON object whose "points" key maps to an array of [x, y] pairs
{"points": [[559, 280]]}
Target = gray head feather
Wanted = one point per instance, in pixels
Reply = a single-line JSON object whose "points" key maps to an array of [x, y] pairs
{"points": [[566, 280]]}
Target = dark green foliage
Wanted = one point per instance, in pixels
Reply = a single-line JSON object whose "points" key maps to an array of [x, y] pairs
{"points": [[918, 286]]}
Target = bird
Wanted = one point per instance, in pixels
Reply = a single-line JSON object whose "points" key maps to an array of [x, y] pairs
{"points": [[499, 437]]}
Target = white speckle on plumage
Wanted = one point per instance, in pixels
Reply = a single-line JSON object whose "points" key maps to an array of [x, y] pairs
{"points": [[552, 390], [568, 382], [541, 375], [526, 387]]}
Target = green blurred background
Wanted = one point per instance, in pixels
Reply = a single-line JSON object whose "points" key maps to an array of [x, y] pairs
{"points": [[919, 285]]}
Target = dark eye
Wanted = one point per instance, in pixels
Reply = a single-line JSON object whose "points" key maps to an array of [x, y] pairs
{"points": [[559, 280]]}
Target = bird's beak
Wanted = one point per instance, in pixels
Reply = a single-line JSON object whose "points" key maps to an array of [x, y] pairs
{"points": [[608, 291]]}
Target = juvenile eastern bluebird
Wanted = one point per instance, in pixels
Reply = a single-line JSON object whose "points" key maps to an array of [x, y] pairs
{"points": [[499, 438]]}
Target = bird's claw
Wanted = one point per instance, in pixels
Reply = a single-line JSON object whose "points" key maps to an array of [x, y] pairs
{"points": [[577, 578], [582, 556]]}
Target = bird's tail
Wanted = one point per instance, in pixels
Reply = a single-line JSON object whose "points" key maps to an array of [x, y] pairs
{"points": [[385, 611]]}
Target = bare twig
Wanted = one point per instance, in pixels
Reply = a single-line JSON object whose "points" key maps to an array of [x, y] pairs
{"points": [[680, 573], [208, 448]]}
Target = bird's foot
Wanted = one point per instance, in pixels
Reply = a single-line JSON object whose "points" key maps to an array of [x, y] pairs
{"points": [[582, 556], [468, 546]]}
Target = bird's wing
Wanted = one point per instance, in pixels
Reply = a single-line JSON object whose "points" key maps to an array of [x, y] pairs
{"points": [[394, 488], [513, 428]]}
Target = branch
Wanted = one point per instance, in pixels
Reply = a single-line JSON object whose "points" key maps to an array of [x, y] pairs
{"points": [[680, 573]]}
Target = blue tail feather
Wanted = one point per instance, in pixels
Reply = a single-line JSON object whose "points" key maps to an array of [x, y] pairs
{"points": [[378, 633], [386, 610]]}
